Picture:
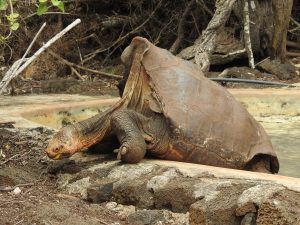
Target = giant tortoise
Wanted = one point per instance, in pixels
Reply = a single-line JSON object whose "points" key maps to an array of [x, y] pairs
{"points": [[170, 110]]}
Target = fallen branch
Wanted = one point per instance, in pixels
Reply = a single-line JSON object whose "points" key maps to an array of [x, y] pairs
{"points": [[296, 23], [293, 54], [293, 44], [72, 65], [11, 73], [247, 39], [7, 79]]}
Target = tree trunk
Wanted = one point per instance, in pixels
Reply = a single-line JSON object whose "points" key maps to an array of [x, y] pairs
{"points": [[268, 19], [282, 13]]}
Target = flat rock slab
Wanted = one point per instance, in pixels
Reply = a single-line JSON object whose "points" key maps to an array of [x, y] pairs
{"points": [[204, 194]]}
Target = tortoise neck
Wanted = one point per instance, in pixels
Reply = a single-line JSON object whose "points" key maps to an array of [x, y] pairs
{"points": [[93, 130]]}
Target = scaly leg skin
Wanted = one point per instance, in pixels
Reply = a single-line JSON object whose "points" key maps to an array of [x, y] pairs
{"points": [[261, 164], [129, 127]]}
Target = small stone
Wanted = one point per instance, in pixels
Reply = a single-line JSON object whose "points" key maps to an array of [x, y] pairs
{"points": [[249, 219], [111, 205], [17, 191]]}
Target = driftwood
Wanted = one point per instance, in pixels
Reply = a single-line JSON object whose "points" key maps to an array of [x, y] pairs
{"points": [[8, 77]]}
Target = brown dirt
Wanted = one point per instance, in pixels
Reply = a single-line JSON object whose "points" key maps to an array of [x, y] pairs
{"points": [[23, 164]]}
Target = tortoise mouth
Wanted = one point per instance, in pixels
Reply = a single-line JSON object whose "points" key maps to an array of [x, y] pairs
{"points": [[57, 156]]}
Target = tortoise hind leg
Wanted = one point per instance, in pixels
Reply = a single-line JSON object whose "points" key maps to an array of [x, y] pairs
{"points": [[128, 126], [260, 163]]}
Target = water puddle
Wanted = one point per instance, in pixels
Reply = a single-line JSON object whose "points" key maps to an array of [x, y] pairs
{"points": [[285, 138]]}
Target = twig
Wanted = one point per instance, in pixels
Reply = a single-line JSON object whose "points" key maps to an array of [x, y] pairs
{"points": [[62, 60], [295, 22], [203, 6], [247, 38], [9, 159], [28, 49], [262, 61], [76, 73], [6, 81], [11, 188], [47, 13], [79, 52], [181, 27], [15, 156]]}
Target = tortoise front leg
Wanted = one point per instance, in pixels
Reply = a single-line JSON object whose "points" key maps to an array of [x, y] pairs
{"points": [[128, 126]]}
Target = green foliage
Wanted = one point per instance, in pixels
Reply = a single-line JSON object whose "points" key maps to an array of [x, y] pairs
{"points": [[12, 19], [3, 5], [11, 16], [43, 6]]}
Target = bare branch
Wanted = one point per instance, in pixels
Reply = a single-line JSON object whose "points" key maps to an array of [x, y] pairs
{"points": [[181, 27], [72, 65], [247, 39], [7, 78], [93, 54]]}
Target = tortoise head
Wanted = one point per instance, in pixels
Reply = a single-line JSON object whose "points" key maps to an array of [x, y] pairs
{"points": [[64, 143]]}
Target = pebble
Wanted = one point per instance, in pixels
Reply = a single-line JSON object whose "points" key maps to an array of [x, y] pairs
{"points": [[17, 191]]}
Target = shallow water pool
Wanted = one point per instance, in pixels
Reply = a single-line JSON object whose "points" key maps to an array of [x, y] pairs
{"points": [[285, 138]]}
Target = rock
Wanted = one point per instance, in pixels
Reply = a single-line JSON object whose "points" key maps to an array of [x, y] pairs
{"points": [[17, 191], [181, 218], [79, 187], [111, 205], [161, 180], [124, 211], [218, 203], [100, 192], [248, 207], [282, 71], [177, 195], [149, 217], [282, 208], [249, 219], [131, 172], [255, 196]]}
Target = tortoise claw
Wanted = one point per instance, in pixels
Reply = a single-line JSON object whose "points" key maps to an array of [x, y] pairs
{"points": [[121, 151]]}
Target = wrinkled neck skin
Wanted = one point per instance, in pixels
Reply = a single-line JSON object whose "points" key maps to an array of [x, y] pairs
{"points": [[93, 129], [96, 128]]}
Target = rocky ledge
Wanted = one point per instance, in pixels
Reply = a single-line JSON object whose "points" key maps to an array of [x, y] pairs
{"points": [[165, 192]]}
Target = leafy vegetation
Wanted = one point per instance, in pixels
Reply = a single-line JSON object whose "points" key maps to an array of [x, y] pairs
{"points": [[11, 17]]}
